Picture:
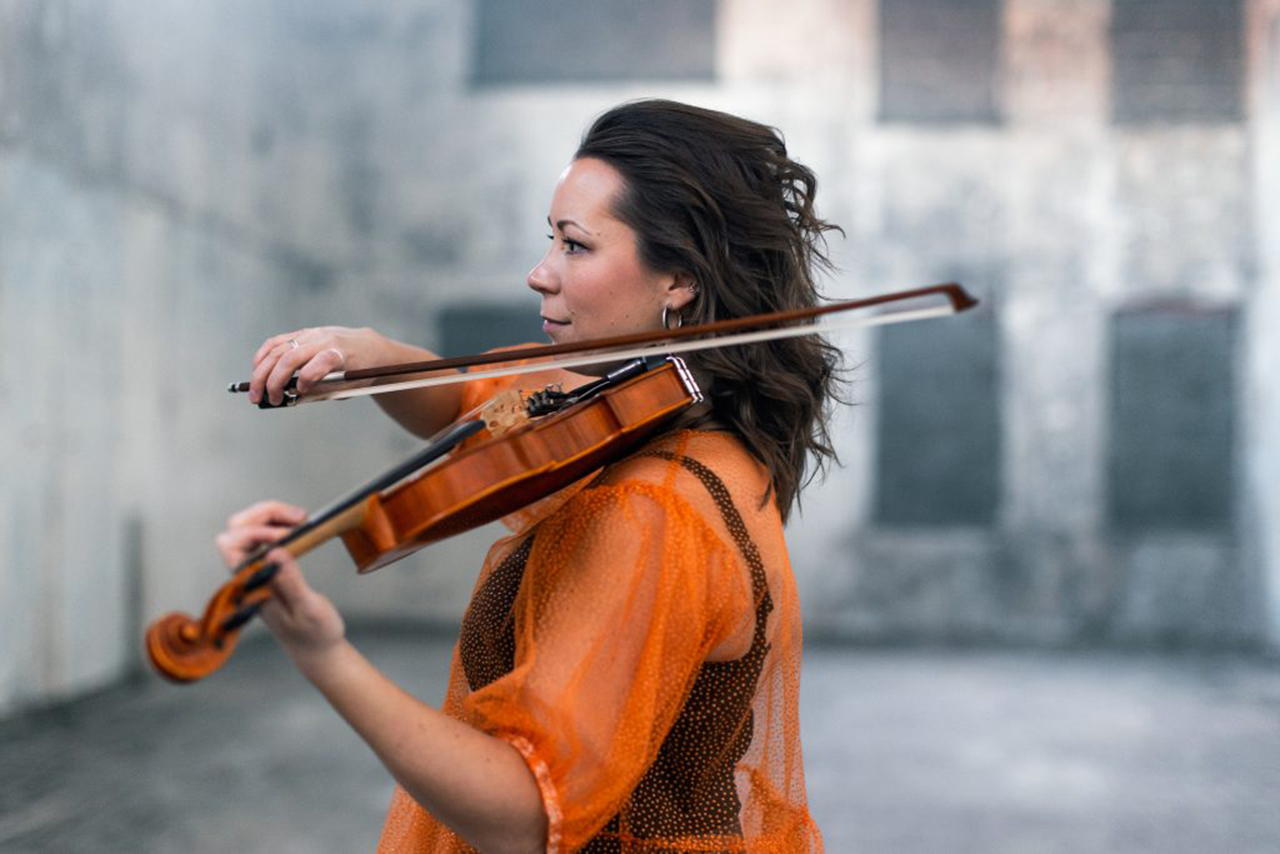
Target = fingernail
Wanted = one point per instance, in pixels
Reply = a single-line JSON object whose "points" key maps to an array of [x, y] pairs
{"points": [[264, 574]]}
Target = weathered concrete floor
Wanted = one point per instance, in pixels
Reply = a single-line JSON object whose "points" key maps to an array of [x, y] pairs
{"points": [[908, 751]]}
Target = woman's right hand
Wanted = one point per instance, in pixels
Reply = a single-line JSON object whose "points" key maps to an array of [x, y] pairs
{"points": [[312, 353], [319, 350]]}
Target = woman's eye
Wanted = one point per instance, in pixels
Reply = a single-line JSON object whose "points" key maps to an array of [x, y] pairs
{"points": [[573, 247]]}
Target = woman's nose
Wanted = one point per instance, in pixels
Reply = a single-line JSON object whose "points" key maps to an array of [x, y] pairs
{"points": [[541, 278]]}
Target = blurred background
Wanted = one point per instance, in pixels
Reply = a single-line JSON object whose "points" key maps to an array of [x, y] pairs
{"points": [[1087, 467]]}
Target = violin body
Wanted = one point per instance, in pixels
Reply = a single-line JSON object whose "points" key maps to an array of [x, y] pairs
{"points": [[488, 480]]}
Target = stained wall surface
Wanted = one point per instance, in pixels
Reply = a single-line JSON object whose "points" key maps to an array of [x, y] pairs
{"points": [[180, 180]]}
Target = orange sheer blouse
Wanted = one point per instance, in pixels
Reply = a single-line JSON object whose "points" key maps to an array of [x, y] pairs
{"points": [[637, 640]]}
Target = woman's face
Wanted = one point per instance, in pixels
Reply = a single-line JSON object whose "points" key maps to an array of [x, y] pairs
{"points": [[591, 280]]}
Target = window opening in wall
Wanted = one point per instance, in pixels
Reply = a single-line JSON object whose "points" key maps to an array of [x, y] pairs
{"points": [[939, 61], [466, 328], [1176, 61], [937, 422], [584, 41], [1171, 460]]}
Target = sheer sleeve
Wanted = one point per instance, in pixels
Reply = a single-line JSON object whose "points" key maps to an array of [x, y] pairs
{"points": [[476, 392], [624, 594]]}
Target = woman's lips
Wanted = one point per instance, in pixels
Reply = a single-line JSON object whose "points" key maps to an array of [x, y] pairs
{"points": [[548, 324]]}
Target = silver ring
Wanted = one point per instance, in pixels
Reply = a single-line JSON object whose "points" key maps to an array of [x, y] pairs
{"points": [[292, 342]]}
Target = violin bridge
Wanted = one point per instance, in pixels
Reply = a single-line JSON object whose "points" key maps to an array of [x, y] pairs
{"points": [[505, 411]]}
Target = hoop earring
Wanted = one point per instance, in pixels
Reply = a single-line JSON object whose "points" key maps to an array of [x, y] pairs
{"points": [[666, 309]]}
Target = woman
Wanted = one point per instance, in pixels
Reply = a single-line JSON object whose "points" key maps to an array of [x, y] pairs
{"points": [[627, 671]]}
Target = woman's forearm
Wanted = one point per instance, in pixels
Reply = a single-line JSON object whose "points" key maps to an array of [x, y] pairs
{"points": [[475, 783], [424, 411]]}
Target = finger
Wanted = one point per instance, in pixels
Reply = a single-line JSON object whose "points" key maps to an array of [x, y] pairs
{"points": [[258, 379], [326, 361], [291, 359], [269, 511], [289, 588], [277, 610], [275, 341], [283, 347], [234, 545], [299, 615], [265, 360]]}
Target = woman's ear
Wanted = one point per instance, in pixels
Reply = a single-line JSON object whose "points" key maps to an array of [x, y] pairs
{"points": [[681, 291]]}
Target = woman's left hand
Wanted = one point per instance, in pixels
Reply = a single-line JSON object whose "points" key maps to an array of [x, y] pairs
{"points": [[304, 621]]}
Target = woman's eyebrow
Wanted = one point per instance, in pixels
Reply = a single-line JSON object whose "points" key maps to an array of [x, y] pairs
{"points": [[561, 223]]}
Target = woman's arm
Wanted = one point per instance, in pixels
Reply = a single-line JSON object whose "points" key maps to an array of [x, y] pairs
{"points": [[324, 349], [475, 783]]}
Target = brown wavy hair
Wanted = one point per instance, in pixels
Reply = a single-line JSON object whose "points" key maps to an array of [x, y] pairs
{"points": [[716, 196]]}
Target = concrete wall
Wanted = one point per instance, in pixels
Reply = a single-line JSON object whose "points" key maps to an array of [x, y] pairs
{"points": [[1263, 353], [179, 180], [1062, 215]]}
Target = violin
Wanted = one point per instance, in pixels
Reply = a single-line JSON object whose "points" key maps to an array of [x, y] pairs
{"points": [[500, 457]]}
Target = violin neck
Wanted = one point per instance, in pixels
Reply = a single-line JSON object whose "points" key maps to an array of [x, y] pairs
{"points": [[348, 512]]}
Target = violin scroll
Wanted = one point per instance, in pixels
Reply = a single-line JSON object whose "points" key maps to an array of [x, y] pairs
{"points": [[180, 652], [184, 649]]}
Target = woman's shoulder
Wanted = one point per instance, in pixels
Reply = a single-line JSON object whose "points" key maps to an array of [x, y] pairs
{"points": [[653, 460], [694, 465]]}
